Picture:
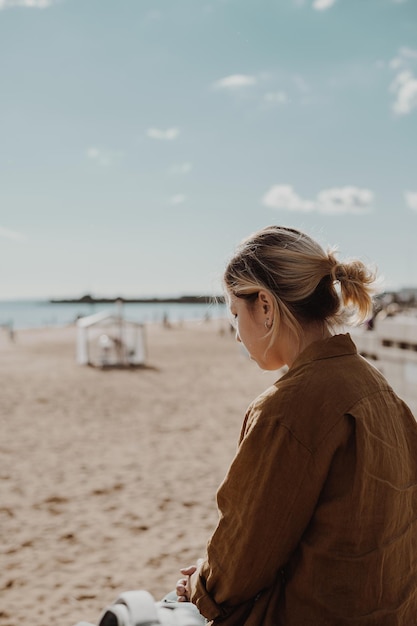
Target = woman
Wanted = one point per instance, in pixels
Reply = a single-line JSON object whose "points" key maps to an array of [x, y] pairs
{"points": [[318, 511]]}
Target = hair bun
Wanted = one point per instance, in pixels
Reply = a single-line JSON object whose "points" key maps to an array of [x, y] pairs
{"points": [[340, 272]]}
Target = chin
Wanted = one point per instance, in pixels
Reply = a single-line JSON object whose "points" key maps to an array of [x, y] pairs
{"points": [[252, 358], [267, 366], [272, 367], [263, 366]]}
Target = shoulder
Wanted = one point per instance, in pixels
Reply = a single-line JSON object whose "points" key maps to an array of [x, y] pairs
{"points": [[316, 395]]}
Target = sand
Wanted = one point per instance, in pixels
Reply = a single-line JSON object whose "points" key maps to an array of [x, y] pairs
{"points": [[108, 477]]}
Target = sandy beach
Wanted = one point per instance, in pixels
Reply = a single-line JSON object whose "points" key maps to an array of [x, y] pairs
{"points": [[108, 477]]}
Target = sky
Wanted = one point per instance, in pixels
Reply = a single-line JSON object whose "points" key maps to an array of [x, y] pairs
{"points": [[141, 140]]}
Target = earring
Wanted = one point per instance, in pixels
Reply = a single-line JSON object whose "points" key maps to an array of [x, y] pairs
{"points": [[268, 325]]}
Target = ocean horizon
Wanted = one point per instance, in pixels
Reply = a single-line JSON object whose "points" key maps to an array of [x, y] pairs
{"points": [[33, 313]]}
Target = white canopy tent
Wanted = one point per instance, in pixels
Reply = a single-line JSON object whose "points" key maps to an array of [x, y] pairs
{"points": [[107, 340]]}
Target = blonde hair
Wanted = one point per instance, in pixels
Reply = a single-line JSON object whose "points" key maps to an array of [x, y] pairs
{"points": [[307, 284]]}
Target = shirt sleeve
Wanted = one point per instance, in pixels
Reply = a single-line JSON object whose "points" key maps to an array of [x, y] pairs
{"points": [[265, 503]]}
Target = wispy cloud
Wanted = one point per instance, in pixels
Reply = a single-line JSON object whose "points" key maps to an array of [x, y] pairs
{"points": [[323, 5], [181, 168], [104, 157], [163, 135], [30, 4], [6, 233], [264, 89], [404, 85], [276, 98], [405, 89], [411, 199], [235, 81], [284, 197], [338, 200], [333, 201], [301, 83], [178, 198], [404, 57]]}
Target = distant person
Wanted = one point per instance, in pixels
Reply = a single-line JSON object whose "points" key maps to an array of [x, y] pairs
{"points": [[165, 321], [318, 511]]}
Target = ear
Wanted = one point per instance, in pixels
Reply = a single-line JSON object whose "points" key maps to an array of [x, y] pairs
{"points": [[265, 301]]}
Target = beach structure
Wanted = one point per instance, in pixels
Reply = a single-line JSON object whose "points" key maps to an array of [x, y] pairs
{"points": [[108, 340], [391, 346]]}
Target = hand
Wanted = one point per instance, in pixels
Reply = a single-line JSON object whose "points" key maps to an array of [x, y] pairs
{"points": [[183, 587]]}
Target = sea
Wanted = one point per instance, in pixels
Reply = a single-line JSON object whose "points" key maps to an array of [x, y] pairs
{"points": [[21, 314]]}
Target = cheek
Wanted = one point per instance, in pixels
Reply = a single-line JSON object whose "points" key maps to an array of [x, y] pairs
{"points": [[251, 337], [242, 336]]}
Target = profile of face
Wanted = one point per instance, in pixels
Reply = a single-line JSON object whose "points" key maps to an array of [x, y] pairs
{"points": [[252, 320]]}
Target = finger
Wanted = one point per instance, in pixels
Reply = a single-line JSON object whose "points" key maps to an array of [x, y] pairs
{"points": [[187, 571], [182, 581]]}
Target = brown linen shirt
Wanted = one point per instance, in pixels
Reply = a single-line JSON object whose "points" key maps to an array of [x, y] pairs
{"points": [[318, 511]]}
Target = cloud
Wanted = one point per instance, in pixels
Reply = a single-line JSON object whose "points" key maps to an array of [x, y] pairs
{"points": [[322, 5], [276, 98], [404, 85], [235, 81], [265, 89], [405, 89], [404, 57], [411, 199], [348, 199], [181, 168], [6, 233], [333, 201], [103, 157], [163, 135], [301, 83], [179, 198], [284, 197], [31, 4]]}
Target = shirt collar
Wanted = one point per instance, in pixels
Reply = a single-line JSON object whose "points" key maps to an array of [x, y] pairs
{"points": [[337, 345]]}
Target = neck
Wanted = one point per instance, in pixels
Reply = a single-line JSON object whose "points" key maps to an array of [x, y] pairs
{"points": [[315, 331]]}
